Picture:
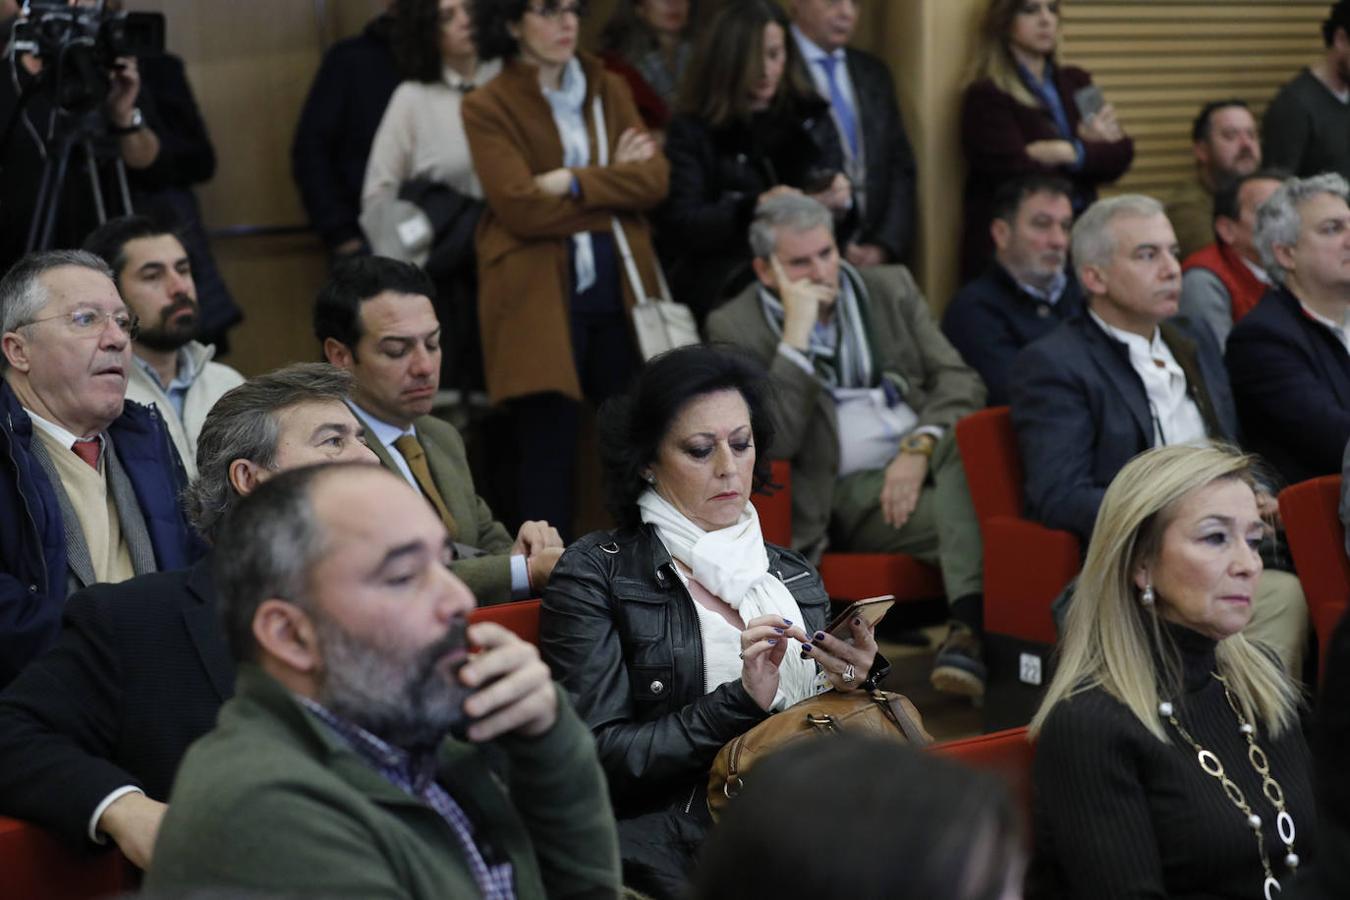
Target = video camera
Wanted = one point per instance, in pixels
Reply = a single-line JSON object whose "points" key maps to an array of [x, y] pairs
{"points": [[79, 46]]}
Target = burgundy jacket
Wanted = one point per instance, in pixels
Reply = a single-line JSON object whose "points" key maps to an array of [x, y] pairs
{"points": [[995, 130]]}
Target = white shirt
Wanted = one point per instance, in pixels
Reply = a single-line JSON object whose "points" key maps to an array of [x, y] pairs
{"points": [[1176, 417], [1341, 329]]}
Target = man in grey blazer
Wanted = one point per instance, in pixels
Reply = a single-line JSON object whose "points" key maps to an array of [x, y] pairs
{"points": [[868, 390], [375, 319]]}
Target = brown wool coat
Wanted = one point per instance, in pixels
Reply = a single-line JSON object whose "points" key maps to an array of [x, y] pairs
{"points": [[523, 246]]}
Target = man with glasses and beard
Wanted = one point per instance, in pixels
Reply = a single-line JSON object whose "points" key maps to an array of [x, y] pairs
{"points": [[170, 368], [367, 752]]}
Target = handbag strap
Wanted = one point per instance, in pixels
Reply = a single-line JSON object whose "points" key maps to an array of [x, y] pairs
{"points": [[893, 703], [620, 237]]}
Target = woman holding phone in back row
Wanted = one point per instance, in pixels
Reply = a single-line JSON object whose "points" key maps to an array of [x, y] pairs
{"points": [[1025, 113], [682, 629]]}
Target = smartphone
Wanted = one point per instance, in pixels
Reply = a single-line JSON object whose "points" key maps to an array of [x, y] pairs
{"points": [[1089, 101], [871, 611]]}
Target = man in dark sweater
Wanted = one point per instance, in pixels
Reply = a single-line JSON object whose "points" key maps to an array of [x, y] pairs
{"points": [[1026, 292], [1306, 129], [337, 125]]}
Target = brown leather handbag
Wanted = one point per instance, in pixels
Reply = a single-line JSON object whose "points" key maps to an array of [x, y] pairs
{"points": [[878, 713]]}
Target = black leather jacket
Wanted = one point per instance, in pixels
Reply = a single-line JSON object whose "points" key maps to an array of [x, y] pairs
{"points": [[619, 630]]}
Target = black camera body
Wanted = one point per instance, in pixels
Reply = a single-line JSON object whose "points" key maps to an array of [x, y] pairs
{"points": [[79, 46]]}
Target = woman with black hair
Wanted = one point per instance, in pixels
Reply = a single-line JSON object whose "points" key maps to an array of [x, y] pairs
{"points": [[568, 172], [682, 628], [421, 199], [749, 124], [910, 826]]}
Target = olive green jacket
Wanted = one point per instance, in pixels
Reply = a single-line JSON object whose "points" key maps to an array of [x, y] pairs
{"points": [[941, 388], [274, 801], [488, 576]]}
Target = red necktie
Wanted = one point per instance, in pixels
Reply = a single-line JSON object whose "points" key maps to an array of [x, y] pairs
{"points": [[87, 450]]}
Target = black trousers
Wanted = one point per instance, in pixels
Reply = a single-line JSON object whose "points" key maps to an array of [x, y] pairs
{"points": [[546, 427]]}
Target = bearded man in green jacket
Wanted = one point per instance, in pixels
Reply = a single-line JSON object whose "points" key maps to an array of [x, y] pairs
{"points": [[331, 772]]}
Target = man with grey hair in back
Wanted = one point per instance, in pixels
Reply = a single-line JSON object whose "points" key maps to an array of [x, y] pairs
{"points": [[88, 481], [868, 393], [91, 732], [1289, 359], [1126, 376]]}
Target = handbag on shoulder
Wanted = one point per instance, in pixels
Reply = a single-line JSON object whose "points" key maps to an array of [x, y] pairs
{"points": [[879, 713], [660, 323]]}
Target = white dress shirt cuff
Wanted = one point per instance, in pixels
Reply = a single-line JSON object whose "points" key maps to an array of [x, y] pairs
{"points": [[94, 834], [933, 430], [520, 577]]}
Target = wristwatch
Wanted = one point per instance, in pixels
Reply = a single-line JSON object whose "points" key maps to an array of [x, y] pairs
{"points": [[137, 123], [920, 444]]}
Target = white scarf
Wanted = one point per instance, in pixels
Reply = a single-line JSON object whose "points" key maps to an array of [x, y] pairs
{"points": [[734, 566]]}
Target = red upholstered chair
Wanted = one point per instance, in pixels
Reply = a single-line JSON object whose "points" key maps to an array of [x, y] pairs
{"points": [[1317, 541], [847, 576], [522, 617], [1026, 565], [34, 865], [1007, 754]]}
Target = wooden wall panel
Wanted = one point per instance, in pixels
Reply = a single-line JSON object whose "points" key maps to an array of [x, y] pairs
{"points": [[1160, 62]]}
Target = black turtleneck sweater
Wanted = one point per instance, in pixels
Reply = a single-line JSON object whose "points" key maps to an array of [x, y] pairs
{"points": [[1120, 814]]}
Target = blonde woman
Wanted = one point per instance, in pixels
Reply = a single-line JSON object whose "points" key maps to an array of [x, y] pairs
{"points": [[1155, 731], [1025, 113]]}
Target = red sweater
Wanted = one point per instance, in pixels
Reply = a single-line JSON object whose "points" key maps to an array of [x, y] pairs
{"points": [[1244, 288]]}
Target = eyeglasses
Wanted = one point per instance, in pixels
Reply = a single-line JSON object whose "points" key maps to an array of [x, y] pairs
{"points": [[89, 322], [554, 11]]}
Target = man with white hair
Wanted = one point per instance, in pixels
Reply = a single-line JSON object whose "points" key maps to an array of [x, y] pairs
{"points": [[1289, 359], [89, 483], [1123, 378]]}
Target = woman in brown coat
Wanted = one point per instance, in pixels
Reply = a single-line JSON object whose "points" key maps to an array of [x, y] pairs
{"points": [[553, 296]]}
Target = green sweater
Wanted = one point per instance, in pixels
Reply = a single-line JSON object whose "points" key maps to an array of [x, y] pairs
{"points": [[272, 800]]}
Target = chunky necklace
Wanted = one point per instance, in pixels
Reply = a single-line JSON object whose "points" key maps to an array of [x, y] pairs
{"points": [[1269, 786]]}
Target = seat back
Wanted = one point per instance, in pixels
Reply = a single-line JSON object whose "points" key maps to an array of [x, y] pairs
{"points": [[775, 509], [521, 617], [1311, 514], [35, 865], [993, 466], [1007, 754]]}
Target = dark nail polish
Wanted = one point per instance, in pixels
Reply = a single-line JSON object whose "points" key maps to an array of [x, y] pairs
{"points": [[787, 622], [806, 649], [820, 635], [778, 630], [773, 642]]}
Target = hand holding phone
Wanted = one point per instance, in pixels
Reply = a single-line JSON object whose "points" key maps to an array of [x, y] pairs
{"points": [[871, 611]]}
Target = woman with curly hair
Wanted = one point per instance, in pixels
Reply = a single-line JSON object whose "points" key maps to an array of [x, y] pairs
{"points": [[564, 160], [1024, 113], [421, 199]]}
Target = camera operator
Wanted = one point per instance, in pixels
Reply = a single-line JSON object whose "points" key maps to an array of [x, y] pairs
{"points": [[123, 130]]}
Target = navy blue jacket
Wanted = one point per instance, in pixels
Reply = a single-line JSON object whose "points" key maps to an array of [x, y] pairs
{"points": [[337, 125], [1080, 412], [991, 319], [1291, 380], [33, 570]]}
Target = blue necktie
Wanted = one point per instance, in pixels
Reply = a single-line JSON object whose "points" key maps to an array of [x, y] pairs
{"points": [[842, 110]]}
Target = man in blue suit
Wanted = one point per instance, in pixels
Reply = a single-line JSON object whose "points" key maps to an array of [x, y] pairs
{"points": [[1288, 358], [1120, 379]]}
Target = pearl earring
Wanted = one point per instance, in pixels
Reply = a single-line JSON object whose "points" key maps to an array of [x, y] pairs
{"points": [[1147, 597]]}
